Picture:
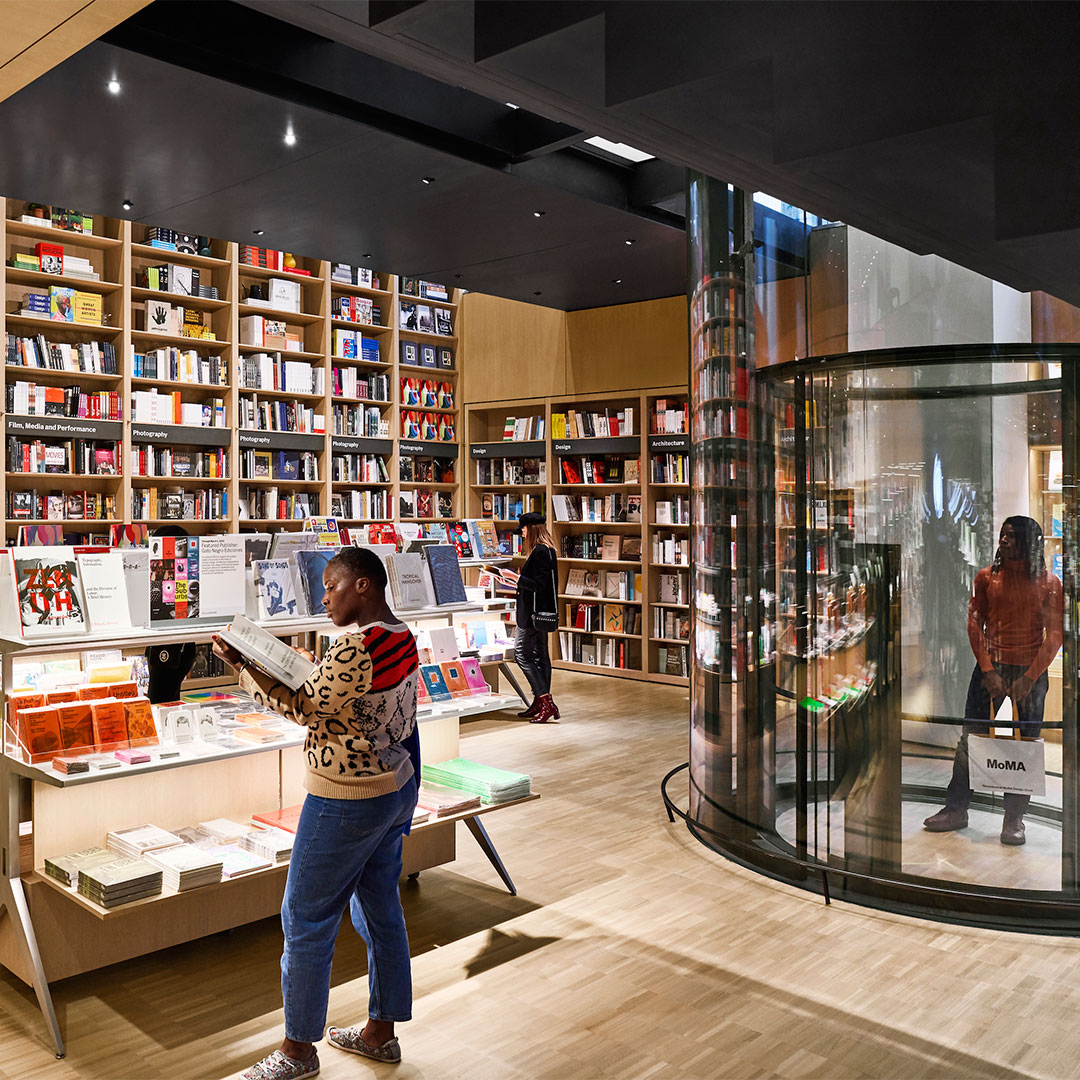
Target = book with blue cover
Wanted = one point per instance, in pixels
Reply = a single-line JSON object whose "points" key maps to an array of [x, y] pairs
{"points": [[445, 573], [435, 683], [311, 565]]}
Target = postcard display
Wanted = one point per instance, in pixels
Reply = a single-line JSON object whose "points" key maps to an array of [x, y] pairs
{"points": [[67, 614]]}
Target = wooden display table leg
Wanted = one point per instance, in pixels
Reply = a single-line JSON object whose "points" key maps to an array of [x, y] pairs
{"points": [[504, 668], [488, 848]]}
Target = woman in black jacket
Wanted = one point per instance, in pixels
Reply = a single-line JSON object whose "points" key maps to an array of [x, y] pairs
{"points": [[536, 589]]}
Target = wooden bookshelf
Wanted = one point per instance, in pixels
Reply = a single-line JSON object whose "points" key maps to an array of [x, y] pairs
{"points": [[493, 489], [120, 253]]}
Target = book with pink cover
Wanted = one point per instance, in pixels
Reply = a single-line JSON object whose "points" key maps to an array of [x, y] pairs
{"points": [[474, 676]]}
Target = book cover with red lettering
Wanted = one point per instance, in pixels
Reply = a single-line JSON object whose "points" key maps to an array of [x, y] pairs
{"points": [[110, 726]]}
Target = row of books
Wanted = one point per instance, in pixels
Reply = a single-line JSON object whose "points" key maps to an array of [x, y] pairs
{"points": [[722, 342], [359, 469], [275, 415], [362, 421], [352, 345], [600, 470], [361, 505], [427, 393], [673, 511], [266, 259], [617, 507], [30, 399], [355, 275], [582, 424], [272, 505], [611, 618], [421, 503], [510, 506], [161, 317], [427, 426], [199, 504], [200, 464], [34, 505], [597, 652], [357, 309], [523, 428], [70, 221], [426, 470], [266, 333], [425, 319], [84, 457], [177, 279], [668, 623], [279, 465], [669, 417], [500, 471], [670, 468], [608, 547], [180, 365], [426, 290], [90, 357], [281, 294], [353, 382], [671, 550], [65, 305], [672, 589], [417, 354], [717, 380], [156, 406], [266, 371], [673, 660], [722, 421]]}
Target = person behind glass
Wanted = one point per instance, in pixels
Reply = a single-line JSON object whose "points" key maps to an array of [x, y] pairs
{"points": [[361, 751], [1015, 630], [535, 593]]}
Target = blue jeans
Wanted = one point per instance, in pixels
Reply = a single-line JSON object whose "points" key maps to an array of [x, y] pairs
{"points": [[347, 854]]}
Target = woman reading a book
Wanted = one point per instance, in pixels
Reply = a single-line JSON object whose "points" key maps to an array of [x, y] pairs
{"points": [[536, 618], [359, 706]]}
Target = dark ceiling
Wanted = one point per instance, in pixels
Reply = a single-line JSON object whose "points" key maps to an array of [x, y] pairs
{"points": [[944, 127]]}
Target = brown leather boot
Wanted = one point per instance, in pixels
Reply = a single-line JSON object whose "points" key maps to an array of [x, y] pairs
{"points": [[1012, 831], [946, 820]]}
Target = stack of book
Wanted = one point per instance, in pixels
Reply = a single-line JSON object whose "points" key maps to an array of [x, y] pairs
{"points": [[120, 881], [236, 862], [186, 867], [140, 839], [273, 844], [441, 801], [494, 786], [65, 868]]}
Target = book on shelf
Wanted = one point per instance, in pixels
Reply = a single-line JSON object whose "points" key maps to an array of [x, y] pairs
{"points": [[269, 653], [105, 589], [311, 565], [49, 591], [669, 417], [582, 424], [434, 682], [275, 588], [410, 581], [442, 561]]}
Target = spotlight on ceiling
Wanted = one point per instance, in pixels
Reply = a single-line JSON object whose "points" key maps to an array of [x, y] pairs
{"points": [[127, 204], [427, 179], [629, 243], [257, 232], [616, 281], [539, 213], [290, 137], [113, 85]]}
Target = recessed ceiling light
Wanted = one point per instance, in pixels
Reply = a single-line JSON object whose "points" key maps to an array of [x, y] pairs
{"points": [[290, 137], [127, 204], [427, 180], [367, 255], [113, 85], [627, 153], [616, 281], [539, 213], [510, 105], [257, 232], [629, 243], [459, 275]]}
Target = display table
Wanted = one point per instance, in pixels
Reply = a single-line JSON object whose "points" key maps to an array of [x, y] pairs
{"points": [[52, 932]]}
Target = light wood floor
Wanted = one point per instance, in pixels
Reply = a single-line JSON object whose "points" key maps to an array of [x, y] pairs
{"points": [[630, 952]]}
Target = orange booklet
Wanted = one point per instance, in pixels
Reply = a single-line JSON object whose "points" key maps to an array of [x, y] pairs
{"points": [[94, 692], [22, 699], [110, 727], [76, 725], [124, 689], [140, 719], [287, 819], [39, 729], [454, 674], [61, 697]]}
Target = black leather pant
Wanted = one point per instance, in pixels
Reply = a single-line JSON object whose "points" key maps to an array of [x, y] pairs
{"points": [[1030, 716], [532, 656]]}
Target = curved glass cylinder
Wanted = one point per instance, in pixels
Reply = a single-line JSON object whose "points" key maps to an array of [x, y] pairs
{"points": [[882, 606]]}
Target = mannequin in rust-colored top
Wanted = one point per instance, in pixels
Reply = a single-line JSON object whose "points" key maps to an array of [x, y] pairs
{"points": [[1015, 630]]}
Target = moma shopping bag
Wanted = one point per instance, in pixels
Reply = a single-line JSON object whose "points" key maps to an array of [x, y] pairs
{"points": [[1014, 766]]}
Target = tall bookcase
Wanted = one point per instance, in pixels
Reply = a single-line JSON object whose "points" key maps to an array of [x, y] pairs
{"points": [[358, 463], [505, 472]]}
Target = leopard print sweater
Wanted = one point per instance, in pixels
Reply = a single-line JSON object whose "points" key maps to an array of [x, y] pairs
{"points": [[358, 707]]}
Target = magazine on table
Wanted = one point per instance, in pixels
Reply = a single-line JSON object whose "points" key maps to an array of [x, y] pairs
{"points": [[271, 654]]}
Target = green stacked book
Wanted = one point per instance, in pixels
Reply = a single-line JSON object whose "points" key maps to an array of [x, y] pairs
{"points": [[66, 868], [493, 785]]}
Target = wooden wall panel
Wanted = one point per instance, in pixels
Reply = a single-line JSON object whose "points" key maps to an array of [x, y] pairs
{"points": [[1053, 319], [37, 35], [628, 347], [511, 349], [828, 291], [780, 321]]}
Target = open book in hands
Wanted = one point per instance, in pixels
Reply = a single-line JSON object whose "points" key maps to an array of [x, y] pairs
{"points": [[271, 654], [501, 573]]}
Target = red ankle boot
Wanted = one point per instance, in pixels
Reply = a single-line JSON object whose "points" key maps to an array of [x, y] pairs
{"points": [[531, 710], [546, 712]]}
